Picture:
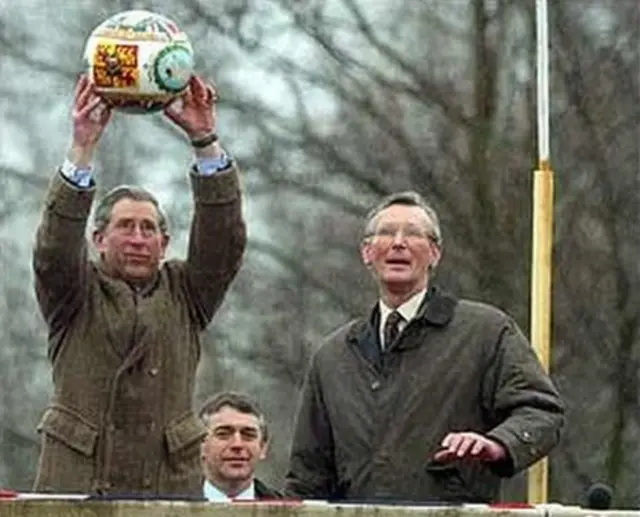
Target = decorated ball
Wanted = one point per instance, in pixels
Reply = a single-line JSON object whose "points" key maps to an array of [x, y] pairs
{"points": [[139, 61]]}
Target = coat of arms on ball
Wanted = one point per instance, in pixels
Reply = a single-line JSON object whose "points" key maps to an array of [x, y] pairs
{"points": [[139, 61]]}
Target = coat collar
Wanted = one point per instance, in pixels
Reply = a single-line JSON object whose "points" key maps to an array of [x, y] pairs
{"points": [[143, 290], [437, 310]]}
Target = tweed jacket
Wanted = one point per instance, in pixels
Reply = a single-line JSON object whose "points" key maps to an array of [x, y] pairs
{"points": [[124, 360]]}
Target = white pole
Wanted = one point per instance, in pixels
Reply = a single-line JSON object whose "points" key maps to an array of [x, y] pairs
{"points": [[542, 38]]}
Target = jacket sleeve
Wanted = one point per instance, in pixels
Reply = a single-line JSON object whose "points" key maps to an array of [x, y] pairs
{"points": [[216, 242], [521, 397], [60, 252], [311, 473]]}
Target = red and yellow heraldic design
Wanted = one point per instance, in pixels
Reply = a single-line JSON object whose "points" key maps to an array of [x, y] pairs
{"points": [[115, 65]]}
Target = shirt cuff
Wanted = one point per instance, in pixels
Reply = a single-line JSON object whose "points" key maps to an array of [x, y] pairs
{"points": [[208, 166], [79, 177]]}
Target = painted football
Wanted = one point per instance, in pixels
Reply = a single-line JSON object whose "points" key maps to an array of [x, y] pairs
{"points": [[139, 61]]}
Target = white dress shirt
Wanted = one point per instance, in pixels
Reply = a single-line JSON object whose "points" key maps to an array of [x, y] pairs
{"points": [[407, 310], [213, 493]]}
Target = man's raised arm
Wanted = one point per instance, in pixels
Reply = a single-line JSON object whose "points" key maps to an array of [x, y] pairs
{"points": [[218, 234], [60, 251]]}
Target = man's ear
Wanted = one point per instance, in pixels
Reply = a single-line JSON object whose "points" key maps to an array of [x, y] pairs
{"points": [[366, 252], [164, 244], [436, 255], [264, 450], [98, 241]]}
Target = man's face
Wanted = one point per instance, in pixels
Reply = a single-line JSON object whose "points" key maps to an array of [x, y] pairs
{"points": [[132, 244], [233, 447], [401, 249]]}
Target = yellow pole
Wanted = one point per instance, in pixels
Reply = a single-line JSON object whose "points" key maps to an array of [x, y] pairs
{"points": [[542, 239], [541, 300]]}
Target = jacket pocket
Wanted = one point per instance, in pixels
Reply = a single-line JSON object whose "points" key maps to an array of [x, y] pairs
{"points": [[464, 482], [182, 473], [70, 429], [183, 433], [448, 482]]}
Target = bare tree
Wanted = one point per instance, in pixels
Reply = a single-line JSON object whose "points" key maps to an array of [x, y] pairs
{"points": [[446, 106], [327, 106]]}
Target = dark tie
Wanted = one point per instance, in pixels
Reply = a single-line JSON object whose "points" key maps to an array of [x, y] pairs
{"points": [[391, 329]]}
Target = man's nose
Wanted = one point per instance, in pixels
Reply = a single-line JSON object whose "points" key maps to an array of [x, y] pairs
{"points": [[399, 239], [236, 440], [136, 235]]}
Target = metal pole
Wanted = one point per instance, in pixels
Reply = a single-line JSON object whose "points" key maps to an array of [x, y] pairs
{"points": [[542, 241]]}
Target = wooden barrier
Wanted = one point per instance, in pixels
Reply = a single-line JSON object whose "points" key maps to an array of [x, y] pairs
{"points": [[155, 508]]}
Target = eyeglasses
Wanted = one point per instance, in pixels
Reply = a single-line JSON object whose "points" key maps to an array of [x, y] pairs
{"points": [[128, 226], [410, 232]]}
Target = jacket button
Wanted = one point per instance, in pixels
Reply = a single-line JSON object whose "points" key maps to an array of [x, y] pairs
{"points": [[526, 436], [375, 385], [112, 427], [153, 372], [146, 482]]}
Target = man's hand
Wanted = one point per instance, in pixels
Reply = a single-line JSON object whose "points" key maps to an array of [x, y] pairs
{"points": [[90, 116], [194, 110], [474, 446]]}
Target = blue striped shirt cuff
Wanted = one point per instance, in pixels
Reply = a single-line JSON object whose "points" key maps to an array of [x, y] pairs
{"points": [[83, 177], [80, 177], [209, 166]]}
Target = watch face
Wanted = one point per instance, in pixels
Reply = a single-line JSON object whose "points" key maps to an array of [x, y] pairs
{"points": [[172, 68]]}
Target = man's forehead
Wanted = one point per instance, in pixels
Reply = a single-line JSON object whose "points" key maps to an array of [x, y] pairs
{"points": [[228, 416], [403, 213], [134, 208]]}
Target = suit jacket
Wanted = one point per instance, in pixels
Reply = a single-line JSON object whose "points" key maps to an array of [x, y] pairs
{"points": [[264, 491]]}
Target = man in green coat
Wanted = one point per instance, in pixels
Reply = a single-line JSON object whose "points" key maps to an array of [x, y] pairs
{"points": [[429, 398], [124, 330]]}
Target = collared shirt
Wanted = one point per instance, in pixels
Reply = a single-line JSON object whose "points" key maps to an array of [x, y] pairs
{"points": [[407, 310], [213, 493]]}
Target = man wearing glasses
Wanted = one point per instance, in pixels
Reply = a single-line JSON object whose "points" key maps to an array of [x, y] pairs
{"points": [[428, 398]]}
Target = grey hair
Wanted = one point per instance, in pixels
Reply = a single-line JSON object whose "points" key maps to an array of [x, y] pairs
{"points": [[105, 206], [235, 400], [408, 198]]}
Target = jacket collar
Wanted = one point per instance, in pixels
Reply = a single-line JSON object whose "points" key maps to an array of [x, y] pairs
{"points": [[437, 310], [437, 307], [143, 290]]}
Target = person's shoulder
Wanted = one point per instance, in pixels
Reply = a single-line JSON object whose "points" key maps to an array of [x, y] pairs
{"points": [[480, 310], [485, 321], [337, 338], [333, 345], [174, 266], [265, 491], [172, 274], [342, 332]]}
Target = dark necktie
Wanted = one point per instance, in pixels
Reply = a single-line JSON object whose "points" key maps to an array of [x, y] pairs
{"points": [[391, 329]]}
